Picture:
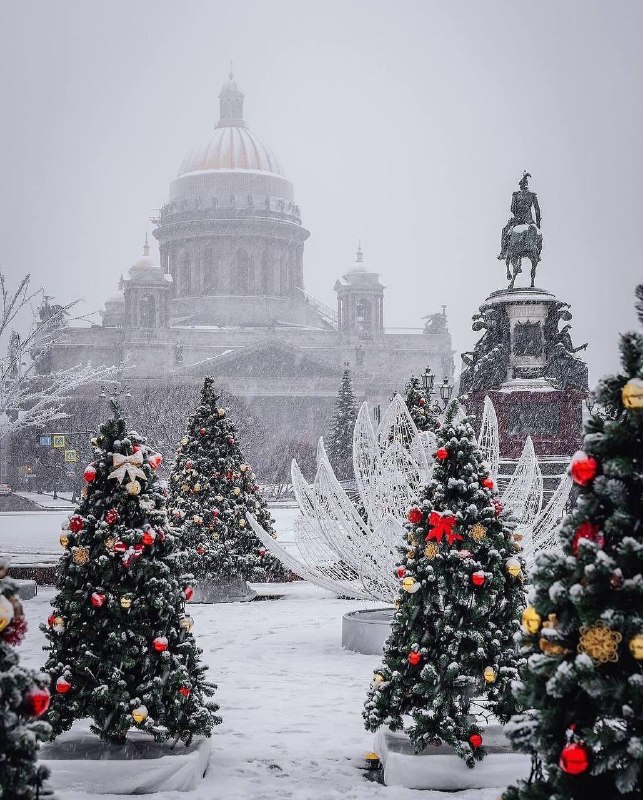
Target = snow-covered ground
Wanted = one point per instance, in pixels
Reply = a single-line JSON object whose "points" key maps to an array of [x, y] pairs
{"points": [[290, 698]]}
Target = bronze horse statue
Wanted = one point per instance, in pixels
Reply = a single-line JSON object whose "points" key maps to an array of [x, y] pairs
{"points": [[525, 241]]}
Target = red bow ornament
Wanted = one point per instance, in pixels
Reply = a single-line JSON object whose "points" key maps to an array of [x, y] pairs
{"points": [[442, 525]]}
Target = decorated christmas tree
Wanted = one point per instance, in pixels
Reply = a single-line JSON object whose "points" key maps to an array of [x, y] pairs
{"points": [[424, 412], [583, 633], [451, 653], [24, 698], [212, 488], [340, 441], [120, 642]]}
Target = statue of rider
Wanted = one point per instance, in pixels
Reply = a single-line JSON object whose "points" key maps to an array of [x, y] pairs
{"points": [[521, 205]]}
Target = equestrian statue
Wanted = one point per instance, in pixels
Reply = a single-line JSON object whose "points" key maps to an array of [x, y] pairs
{"points": [[521, 236]]}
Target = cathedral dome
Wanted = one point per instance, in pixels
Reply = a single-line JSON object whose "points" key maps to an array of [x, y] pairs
{"points": [[232, 146]]}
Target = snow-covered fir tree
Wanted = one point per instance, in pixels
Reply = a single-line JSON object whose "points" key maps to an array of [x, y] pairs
{"points": [[24, 698], [583, 632], [458, 610], [340, 441], [424, 412], [211, 490], [120, 641]]}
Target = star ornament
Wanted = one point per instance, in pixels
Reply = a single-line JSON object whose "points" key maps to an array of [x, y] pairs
{"points": [[127, 465], [442, 525]]}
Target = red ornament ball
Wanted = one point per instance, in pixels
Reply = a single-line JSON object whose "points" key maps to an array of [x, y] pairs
{"points": [[188, 592], [148, 537], [200, 550], [262, 551], [587, 530], [97, 599], [498, 507], [76, 523], [583, 468], [401, 572], [51, 619], [184, 691], [202, 431], [574, 759], [478, 578], [421, 401], [90, 473], [62, 685], [414, 658], [475, 740], [488, 482], [441, 453], [415, 515], [111, 516], [216, 512], [188, 465], [230, 439], [160, 644], [155, 460], [37, 702]]}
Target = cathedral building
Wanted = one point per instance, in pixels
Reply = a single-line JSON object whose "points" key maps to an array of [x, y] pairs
{"points": [[227, 297]]}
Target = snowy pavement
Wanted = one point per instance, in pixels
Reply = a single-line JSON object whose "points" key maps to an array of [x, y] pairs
{"points": [[290, 698]]}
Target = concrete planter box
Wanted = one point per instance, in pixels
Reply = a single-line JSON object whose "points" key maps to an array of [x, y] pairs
{"points": [[235, 590], [367, 631]]}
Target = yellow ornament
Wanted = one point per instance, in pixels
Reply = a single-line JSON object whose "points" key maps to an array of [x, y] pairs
{"points": [[6, 611], [517, 537], [109, 543], [377, 679], [632, 393], [220, 412], [599, 642], [410, 553], [489, 674], [513, 567], [126, 602], [636, 646], [410, 585], [64, 539], [139, 714], [197, 488], [531, 620], [186, 622], [94, 442], [197, 520], [185, 441], [133, 487], [243, 467], [478, 532], [185, 488], [431, 550], [80, 555], [236, 491], [549, 647], [242, 523], [219, 498]]}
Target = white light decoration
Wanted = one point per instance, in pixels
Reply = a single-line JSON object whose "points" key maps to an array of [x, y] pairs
{"points": [[489, 439], [543, 533]]}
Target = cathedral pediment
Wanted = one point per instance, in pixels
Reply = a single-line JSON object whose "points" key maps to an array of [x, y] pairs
{"points": [[270, 360]]}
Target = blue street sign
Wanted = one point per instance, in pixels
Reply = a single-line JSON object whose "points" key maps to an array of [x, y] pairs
{"points": [[45, 441]]}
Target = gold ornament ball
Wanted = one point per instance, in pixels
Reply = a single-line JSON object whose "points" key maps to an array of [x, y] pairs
{"points": [[64, 539], [126, 602], [513, 567], [221, 412], [431, 550], [185, 488], [139, 714], [197, 488], [636, 646], [489, 674], [6, 612], [109, 543], [377, 679], [632, 393], [80, 555], [478, 532], [531, 620], [186, 623], [242, 523], [236, 491], [243, 467], [185, 441], [410, 585], [197, 520], [133, 487]]}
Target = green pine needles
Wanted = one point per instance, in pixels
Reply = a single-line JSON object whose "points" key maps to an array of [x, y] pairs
{"points": [[24, 698], [424, 413], [340, 441], [121, 649], [452, 642], [583, 635], [211, 490]]}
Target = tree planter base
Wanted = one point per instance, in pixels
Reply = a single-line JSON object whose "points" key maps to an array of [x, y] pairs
{"points": [[232, 591], [366, 631], [80, 761], [440, 769]]}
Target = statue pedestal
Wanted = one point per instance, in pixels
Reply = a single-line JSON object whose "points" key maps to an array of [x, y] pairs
{"points": [[538, 389]]}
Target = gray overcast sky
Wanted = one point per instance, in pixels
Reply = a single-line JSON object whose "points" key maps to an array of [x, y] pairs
{"points": [[407, 124]]}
